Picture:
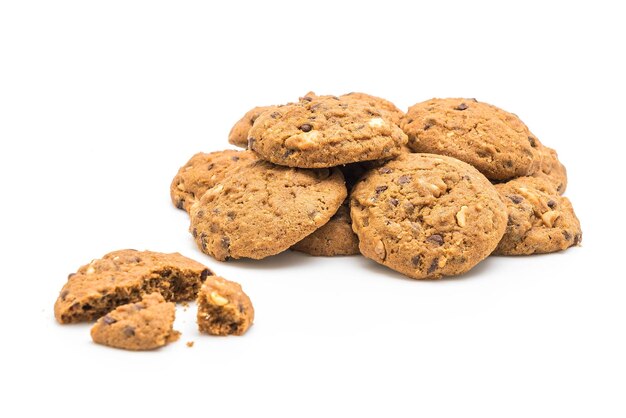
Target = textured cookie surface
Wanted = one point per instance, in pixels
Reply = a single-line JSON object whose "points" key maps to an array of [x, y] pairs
{"points": [[325, 131], [496, 142], [334, 238], [143, 325], [264, 209], [540, 220], [427, 216], [551, 169], [203, 171], [124, 276], [388, 109], [223, 308], [239, 132]]}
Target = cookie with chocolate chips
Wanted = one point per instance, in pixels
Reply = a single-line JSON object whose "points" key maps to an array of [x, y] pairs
{"points": [[239, 132], [496, 142], [263, 209], [144, 325], [427, 216], [223, 308], [325, 131], [539, 219]]}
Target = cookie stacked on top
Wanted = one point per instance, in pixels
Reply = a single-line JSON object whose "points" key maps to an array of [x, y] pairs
{"points": [[332, 175]]}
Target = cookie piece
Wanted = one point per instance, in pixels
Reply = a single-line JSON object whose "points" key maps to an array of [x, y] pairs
{"points": [[202, 172], [325, 131], [124, 276], [551, 169], [496, 142], [264, 209], [239, 132], [427, 216], [334, 238], [143, 325], [385, 106], [224, 308], [540, 220]]}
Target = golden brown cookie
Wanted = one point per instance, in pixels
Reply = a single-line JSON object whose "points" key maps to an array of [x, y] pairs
{"points": [[325, 131], [385, 106], [540, 220], [551, 169], [204, 171], [427, 216], [496, 142], [143, 325], [223, 308], [124, 276], [264, 209], [239, 132]]}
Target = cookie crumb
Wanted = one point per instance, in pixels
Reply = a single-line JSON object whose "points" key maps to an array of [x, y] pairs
{"points": [[190, 343]]}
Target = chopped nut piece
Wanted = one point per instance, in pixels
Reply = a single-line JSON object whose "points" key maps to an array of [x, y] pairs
{"points": [[376, 122], [550, 217], [380, 249], [460, 216], [218, 299]]}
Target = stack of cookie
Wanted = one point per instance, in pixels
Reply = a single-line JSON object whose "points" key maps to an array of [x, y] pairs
{"points": [[429, 193]]}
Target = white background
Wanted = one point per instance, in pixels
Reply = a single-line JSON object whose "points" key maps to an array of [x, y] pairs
{"points": [[101, 102]]}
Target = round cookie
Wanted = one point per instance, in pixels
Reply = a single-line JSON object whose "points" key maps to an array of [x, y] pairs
{"points": [[427, 216], [239, 132], [551, 169], [496, 142], [264, 209], [540, 220], [334, 238], [325, 131], [385, 106], [204, 171]]}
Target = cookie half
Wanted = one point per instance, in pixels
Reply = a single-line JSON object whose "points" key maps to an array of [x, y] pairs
{"points": [[494, 141], [144, 325], [539, 219], [203, 171], [124, 276], [223, 308], [264, 209], [325, 131], [427, 216]]}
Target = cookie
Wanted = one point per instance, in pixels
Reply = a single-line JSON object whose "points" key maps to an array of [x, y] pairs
{"points": [[388, 109], [427, 216], [496, 142], [202, 172], [143, 325], [264, 209], [551, 169], [325, 131], [540, 220], [239, 132], [124, 276], [334, 238], [223, 308]]}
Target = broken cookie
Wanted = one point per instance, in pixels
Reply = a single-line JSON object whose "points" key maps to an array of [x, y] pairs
{"points": [[223, 308]]}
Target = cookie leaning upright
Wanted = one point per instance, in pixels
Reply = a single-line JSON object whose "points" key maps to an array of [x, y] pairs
{"points": [[325, 131], [263, 209], [427, 216], [496, 142]]}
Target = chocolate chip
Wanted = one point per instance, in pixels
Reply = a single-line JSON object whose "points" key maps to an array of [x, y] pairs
{"points": [[275, 115], [306, 98], [404, 179], [64, 294], [200, 214], [533, 141], [393, 202], [108, 320], [251, 142], [462, 106], [551, 204], [410, 120], [515, 198], [385, 170], [567, 235], [380, 189], [129, 331], [416, 260], [305, 127], [435, 239], [508, 163], [214, 228], [288, 153], [429, 124], [433, 265], [181, 204], [165, 273], [194, 233], [408, 207], [225, 242], [577, 239], [241, 308], [210, 166], [87, 307], [234, 158], [205, 273], [203, 242]]}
